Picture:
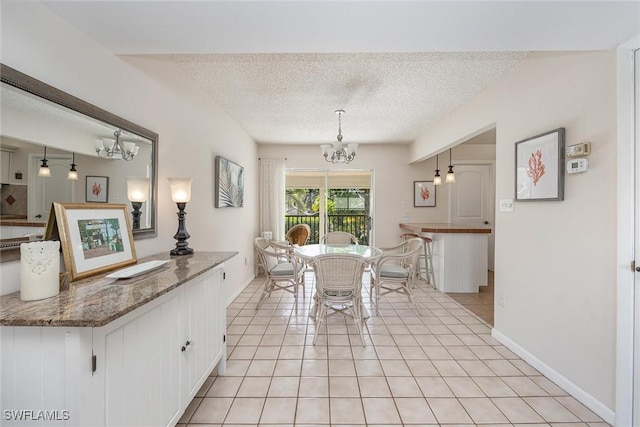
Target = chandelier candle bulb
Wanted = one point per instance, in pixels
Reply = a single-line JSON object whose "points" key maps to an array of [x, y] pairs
{"points": [[39, 270]]}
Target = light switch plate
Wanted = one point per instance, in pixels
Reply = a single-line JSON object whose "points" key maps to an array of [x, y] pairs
{"points": [[506, 205]]}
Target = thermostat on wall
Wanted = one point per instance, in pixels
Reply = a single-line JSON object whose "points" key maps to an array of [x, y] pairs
{"points": [[577, 165]]}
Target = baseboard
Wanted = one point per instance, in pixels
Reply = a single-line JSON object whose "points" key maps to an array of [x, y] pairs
{"points": [[585, 398], [239, 291]]}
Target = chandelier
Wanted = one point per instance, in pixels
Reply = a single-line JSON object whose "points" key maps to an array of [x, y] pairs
{"points": [[336, 152], [114, 149]]}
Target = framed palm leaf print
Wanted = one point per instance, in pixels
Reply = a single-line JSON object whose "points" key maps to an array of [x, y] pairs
{"points": [[229, 184]]}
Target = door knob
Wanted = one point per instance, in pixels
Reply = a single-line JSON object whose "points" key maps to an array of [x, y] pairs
{"points": [[485, 222], [38, 216]]}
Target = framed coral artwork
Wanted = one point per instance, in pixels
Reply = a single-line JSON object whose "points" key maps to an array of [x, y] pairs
{"points": [[424, 194], [540, 167], [97, 189]]}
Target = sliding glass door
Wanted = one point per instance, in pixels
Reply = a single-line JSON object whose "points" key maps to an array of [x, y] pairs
{"points": [[330, 201]]}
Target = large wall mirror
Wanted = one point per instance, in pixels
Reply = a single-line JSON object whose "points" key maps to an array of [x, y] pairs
{"points": [[38, 120]]}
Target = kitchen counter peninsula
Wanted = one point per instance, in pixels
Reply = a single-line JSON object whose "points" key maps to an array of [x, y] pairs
{"points": [[114, 352], [460, 254]]}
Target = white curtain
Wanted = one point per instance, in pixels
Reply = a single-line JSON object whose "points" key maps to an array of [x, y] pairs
{"points": [[271, 197]]}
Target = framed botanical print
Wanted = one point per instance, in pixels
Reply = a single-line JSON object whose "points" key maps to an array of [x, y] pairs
{"points": [[540, 167], [424, 194], [97, 189]]}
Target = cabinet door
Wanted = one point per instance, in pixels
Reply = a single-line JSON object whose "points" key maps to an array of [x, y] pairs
{"points": [[141, 369], [205, 317]]}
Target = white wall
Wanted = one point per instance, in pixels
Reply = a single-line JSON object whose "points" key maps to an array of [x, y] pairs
{"points": [[555, 261], [192, 131]]}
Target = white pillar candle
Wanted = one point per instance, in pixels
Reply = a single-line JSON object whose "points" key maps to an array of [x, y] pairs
{"points": [[39, 270]]}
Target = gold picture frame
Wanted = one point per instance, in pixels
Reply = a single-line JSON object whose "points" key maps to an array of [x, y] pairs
{"points": [[94, 239]]}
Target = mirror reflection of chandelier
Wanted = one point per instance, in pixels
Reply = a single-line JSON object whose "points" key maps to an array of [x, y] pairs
{"points": [[337, 153], [114, 149]]}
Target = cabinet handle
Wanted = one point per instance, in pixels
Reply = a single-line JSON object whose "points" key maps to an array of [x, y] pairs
{"points": [[187, 344]]}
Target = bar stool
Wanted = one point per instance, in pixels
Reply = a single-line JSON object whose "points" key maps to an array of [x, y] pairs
{"points": [[425, 260]]}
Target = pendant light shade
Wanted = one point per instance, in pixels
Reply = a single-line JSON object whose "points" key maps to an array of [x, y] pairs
{"points": [[44, 170], [437, 179], [73, 172], [451, 178]]}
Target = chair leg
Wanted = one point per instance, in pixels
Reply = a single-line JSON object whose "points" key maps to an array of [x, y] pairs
{"points": [[267, 291], [321, 319], [411, 297], [357, 317]]}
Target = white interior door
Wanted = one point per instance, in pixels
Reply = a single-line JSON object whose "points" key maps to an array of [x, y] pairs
{"points": [[472, 198], [56, 188]]}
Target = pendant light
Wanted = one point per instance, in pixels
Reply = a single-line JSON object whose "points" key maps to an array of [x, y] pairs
{"points": [[44, 170], [73, 173], [451, 178], [437, 179]]}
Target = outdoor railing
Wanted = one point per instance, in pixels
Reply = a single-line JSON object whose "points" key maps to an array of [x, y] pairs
{"points": [[351, 223]]}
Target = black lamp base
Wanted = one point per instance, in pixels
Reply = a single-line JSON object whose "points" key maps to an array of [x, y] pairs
{"points": [[182, 247], [135, 215]]}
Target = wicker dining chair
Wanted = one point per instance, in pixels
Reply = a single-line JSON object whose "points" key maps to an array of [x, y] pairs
{"points": [[339, 237], [281, 267], [394, 271], [298, 234], [339, 288]]}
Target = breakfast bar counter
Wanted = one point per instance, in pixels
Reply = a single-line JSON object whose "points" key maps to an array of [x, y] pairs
{"points": [[460, 254]]}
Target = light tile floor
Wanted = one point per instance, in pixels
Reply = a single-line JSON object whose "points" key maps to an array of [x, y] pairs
{"points": [[442, 368]]}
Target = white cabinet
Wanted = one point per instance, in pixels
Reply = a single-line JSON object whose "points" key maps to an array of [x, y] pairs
{"points": [[203, 329], [140, 361], [137, 370]]}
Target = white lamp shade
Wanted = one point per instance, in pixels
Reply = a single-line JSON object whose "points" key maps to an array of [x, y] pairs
{"points": [[451, 178], [353, 148], [325, 148], [129, 147], [437, 180], [180, 189], [97, 143], [44, 171], [137, 188], [72, 175], [108, 143]]}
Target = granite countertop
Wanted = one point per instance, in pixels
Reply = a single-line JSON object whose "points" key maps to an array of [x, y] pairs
{"points": [[97, 300], [424, 227]]}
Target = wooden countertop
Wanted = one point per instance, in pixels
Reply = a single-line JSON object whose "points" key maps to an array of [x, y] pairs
{"points": [[96, 301], [425, 227]]}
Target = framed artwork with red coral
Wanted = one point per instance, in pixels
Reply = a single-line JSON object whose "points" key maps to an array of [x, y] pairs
{"points": [[424, 194], [97, 189], [540, 167]]}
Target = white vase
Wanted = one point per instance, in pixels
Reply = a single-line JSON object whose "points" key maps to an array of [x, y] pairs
{"points": [[39, 270]]}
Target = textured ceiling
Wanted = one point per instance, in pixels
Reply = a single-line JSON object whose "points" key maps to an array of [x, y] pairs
{"points": [[392, 97], [281, 68]]}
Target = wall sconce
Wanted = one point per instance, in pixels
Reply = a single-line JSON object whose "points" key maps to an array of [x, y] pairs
{"points": [[451, 178], [73, 172], [44, 170], [181, 194], [437, 179], [137, 193]]}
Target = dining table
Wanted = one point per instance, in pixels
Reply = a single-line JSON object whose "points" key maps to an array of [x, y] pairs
{"points": [[308, 252]]}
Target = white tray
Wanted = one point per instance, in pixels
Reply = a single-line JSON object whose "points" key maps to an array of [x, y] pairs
{"points": [[136, 270]]}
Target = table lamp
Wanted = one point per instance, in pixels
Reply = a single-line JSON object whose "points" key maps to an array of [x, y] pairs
{"points": [[181, 194], [137, 193]]}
